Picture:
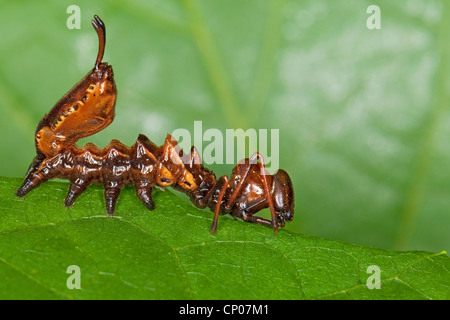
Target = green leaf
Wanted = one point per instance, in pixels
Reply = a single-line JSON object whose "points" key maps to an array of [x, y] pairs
{"points": [[168, 253]]}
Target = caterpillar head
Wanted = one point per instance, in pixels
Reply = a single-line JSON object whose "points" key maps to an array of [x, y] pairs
{"points": [[85, 109]]}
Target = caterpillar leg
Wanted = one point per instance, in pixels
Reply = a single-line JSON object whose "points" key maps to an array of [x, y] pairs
{"points": [[33, 178], [30, 183], [111, 195], [144, 192], [255, 219], [262, 167], [77, 187], [224, 187]]}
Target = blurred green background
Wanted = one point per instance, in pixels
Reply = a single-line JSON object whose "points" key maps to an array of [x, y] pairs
{"points": [[363, 114]]}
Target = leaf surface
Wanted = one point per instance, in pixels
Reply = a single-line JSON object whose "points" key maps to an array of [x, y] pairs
{"points": [[168, 253]]}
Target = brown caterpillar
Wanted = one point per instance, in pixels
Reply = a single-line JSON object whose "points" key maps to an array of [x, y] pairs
{"points": [[89, 107]]}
